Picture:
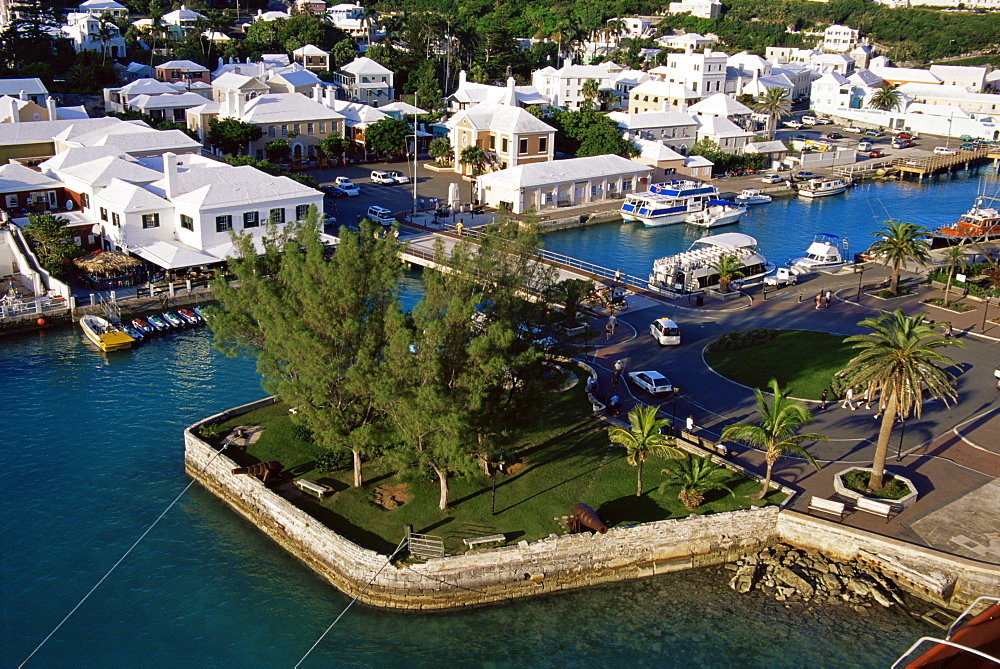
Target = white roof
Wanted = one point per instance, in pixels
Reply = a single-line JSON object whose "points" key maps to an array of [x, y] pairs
{"points": [[172, 255], [404, 108], [719, 104], [45, 131], [697, 161], [285, 107], [135, 67], [71, 113], [101, 4], [728, 240], [958, 71], [945, 92], [127, 197], [237, 81], [770, 146], [650, 150], [296, 78], [909, 74], [559, 171], [185, 65], [149, 87], [358, 114], [182, 14], [103, 171], [30, 86], [310, 50], [167, 101], [502, 118], [664, 89], [720, 126], [652, 119], [78, 155], [865, 78], [131, 138], [209, 188], [15, 177], [945, 111], [365, 65]]}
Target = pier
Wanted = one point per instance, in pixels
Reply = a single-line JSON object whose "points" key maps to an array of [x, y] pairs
{"points": [[961, 159]]}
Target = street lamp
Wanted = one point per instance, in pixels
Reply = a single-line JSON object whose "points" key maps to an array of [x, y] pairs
{"points": [[902, 431], [986, 308], [494, 466], [861, 275], [673, 413]]}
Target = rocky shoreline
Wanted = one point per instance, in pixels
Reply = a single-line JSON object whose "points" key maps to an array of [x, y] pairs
{"points": [[791, 574]]}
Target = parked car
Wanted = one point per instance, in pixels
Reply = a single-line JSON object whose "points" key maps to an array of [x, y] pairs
{"points": [[875, 154], [864, 146], [902, 144], [803, 175], [783, 277], [399, 177], [652, 382], [824, 121], [772, 178], [384, 178], [872, 133], [944, 151], [905, 135], [852, 128], [969, 146], [329, 221], [793, 124], [348, 186], [801, 136], [665, 332], [380, 215], [834, 135], [809, 120]]}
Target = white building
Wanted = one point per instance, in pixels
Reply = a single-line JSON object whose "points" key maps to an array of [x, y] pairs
{"points": [[839, 39], [181, 22], [688, 41], [624, 83], [730, 137], [101, 7], [117, 99], [564, 86], [721, 105], [703, 9], [366, 81], [958, 96], [26, 89], [87, 32], [470, 93], [508, 135], [972, 79], [675, 130], [562, 183], [704, 72], [655, 95]]}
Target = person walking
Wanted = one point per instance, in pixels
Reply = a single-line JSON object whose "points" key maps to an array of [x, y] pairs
{"points": [[608, 330], [827, 298], [613, 405], [822, 400], [618, 276], [689, 424], [848, 400], [866, 398], [948, 331], [458, 227], [819, 299], [613, 322]]}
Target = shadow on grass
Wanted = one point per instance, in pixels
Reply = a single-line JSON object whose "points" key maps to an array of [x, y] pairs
{"points": [[551, 487], [346, 529], [631, 509], [336, 484]]}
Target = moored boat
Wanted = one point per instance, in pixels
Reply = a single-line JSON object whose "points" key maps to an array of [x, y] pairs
{"points": [[198, 310], [823, 252], [980, 223], [822, 187], [668, 203], [973, 644], [105, 335], [174, 320], [191, 317], [752, 196], [132, 332], [158, 322], [717, 213], [691, 270], [143, 326]]}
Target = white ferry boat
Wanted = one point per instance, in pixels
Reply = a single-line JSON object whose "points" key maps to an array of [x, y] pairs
{"points": [[824, 252], [716, 213], [822, 187], [668, 203], [691, 270]]}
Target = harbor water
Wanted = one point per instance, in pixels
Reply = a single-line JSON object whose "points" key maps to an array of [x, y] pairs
{"points": [[92, 454]]}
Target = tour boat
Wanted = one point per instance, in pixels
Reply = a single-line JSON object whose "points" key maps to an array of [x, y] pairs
{"points": [[716, 213], [980, 223], [823, 252], [157, 322], [691, 270], [822, 187], [105, 335], [668, 203], [752, 196]]}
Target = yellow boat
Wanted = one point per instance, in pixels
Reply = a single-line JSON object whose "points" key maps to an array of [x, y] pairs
{"points": [[104, 334]]}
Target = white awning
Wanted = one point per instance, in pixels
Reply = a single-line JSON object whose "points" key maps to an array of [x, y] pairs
{"points": [[173, 255]]}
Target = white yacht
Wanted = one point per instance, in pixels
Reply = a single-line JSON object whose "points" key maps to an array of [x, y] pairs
{"points": [[691, 270], [752, 196], [824, 252], [668, 203], [716, 213], [822, 187]]}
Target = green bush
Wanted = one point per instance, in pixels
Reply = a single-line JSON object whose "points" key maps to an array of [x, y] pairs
{"points": [[211, 430], [971, 271], [333, 460], [743, 339], [892, 488]]}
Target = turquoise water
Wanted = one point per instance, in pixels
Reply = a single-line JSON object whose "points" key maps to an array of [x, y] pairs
{"points": [[92, 452], [784, 227]]}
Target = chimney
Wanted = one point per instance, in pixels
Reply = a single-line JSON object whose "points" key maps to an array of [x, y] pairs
{"points": [[567, 61], [707, 51], [238, 104], [169, 174], [318, 93], [689, 48], [221, 62], [22, 96], [50, 106], [461, 78]]}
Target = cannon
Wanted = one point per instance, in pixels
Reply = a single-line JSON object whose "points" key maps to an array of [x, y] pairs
{"points": [[585, 518], [265, 470]]}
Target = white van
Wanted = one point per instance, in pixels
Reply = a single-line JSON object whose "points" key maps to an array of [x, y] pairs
{"points": [[944, 151], [380, 215], [864, 145], [665, 331], [809, 120]]}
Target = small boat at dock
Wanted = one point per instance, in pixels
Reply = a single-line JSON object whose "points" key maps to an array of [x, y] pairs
{"points": [[191, 317], [143, 326], [752, 196], [823, 253], [158, 322], [716, 213], [174, 320], [105, 335], [822, 187]]}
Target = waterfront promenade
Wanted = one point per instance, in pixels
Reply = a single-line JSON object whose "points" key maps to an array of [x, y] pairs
{"points": [[952, 454]]}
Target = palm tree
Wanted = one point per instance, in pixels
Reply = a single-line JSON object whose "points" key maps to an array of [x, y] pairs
{"points": [[473, 157], [728, 268], [643, 439], [896, 244], [955, 259], [885, 98], [774, 102], [774, 433], [695, 476], [590, 90], [899, 360]]}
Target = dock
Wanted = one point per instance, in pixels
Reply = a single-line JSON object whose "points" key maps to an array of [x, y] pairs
{"points": [[922, 167]]}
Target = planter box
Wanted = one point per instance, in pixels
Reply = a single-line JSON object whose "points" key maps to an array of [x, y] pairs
{"points": [[956, 289], [950, 311], [896, 504], [731, 295], [572, 332]]}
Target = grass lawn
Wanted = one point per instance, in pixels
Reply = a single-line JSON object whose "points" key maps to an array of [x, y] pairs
{"points": [[801, 360], [563, 457]]}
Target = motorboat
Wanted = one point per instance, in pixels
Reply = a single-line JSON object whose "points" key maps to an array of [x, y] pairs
{"points": [[132, 332], [668, 203], [189, 316], [822, 187], [143, 326], [691, 270], [973, 641], [201, 314], [980, 223], [158, 322], [105, 335], [824, 252], [717, 213], [174, 320], [752, 196]]}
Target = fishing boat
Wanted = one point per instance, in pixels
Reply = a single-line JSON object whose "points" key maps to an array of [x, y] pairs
{"points": [[823, 253], [752, 196], [822, 187], [158, 322], [980, 223], [716, 213], [970, 644], [174, 320], [143, 326], [691, 270], [189, 316], [668, 203], [105, 335]]}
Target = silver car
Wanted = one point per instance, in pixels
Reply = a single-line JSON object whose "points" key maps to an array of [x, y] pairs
{"points": [[652, 382]]}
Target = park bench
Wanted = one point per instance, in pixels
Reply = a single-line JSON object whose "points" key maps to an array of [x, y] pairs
{"points": [[873, 507], [491, 539], [317, 489], [828, 506]]}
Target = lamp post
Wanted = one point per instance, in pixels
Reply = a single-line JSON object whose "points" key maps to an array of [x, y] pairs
{"points": [[986, 308], [899, 448], [673, 413], [494, 466], [861, 275]]}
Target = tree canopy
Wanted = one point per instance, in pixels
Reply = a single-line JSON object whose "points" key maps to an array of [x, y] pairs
{"points": [[387, 136], [231, 135]]}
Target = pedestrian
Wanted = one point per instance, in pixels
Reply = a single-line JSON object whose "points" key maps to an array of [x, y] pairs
{"points": [[618, 276], [848, 400], [458, 227], [866, 398], [591, 385], [689, 424], [613, 405], [948, 332], [619, 366], [357, 219], [613, 322], [827, 297], [822, 400], [819, 299], [608, 330]]}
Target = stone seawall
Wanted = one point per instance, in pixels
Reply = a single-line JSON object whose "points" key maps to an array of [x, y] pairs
{"points": [[571, 561]]}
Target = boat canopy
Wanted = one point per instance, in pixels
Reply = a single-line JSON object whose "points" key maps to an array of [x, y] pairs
{"points": [[719, 202], [728, 240]]}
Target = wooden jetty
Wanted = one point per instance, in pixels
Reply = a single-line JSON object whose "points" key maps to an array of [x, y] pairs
{"points": [[922, 167]]}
